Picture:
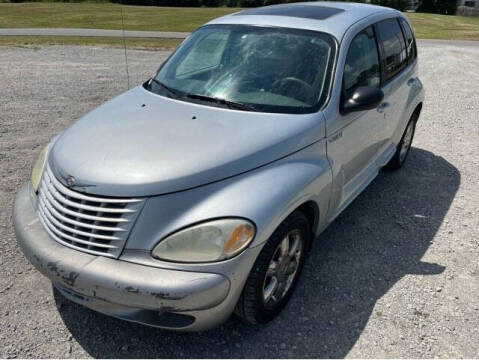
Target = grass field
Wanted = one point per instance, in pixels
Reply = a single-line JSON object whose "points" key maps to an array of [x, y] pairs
{"points": [[432, 26], [108, 16]]}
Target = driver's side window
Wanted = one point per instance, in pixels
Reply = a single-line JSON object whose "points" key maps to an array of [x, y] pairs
{"points": [[362, 63]]}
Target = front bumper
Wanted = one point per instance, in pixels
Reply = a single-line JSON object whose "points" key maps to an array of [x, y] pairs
{"points": [[150, 295]]}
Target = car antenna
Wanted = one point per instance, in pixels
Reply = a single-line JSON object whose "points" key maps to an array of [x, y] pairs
{"points": [[124, 46]]}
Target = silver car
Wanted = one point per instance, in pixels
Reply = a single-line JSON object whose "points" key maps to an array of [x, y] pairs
{"points": [[199, 193]]}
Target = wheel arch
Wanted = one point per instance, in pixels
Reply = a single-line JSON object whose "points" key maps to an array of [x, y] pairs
{"points": [[310, 209]]}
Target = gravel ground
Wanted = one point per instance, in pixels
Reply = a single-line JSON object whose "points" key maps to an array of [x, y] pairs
{"points": [[396, 275]]}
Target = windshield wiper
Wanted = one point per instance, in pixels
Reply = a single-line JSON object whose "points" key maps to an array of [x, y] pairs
{"points": [[167, 88], [230, 104]]}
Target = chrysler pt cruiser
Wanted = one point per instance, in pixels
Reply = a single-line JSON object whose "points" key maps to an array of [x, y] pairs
{"points": [[198, 193]]}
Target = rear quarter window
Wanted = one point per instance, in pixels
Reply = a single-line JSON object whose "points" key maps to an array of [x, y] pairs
{"points": [[410, 41]]}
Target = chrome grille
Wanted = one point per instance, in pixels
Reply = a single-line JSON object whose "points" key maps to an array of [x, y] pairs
{"points": [[96, 225]]}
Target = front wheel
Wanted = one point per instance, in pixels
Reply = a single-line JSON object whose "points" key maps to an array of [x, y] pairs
{"points": [[402, 150], [276, 271]]}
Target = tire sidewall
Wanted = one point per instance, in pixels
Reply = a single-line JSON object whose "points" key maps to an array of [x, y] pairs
{"points": [[413, 122], [396, 162], [295, 221]]}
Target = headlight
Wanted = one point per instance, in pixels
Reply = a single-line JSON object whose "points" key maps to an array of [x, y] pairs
{"points": [[37, 170], [211, 241]]}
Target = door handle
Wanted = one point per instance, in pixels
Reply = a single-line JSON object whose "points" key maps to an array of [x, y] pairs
{"points": [[411, 81], [381, 108]]}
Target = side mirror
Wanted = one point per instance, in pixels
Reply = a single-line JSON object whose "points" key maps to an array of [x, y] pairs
{"points": [[363, 98]]}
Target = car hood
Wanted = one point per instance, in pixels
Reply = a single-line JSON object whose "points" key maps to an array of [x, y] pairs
{"points": [[141, 144]]}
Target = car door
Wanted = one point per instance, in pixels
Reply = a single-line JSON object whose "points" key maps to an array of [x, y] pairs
{"points": [[353, 138], [395, 74]]}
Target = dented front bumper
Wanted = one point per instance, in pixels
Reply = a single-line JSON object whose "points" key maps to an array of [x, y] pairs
{"points": [[120, 288]]}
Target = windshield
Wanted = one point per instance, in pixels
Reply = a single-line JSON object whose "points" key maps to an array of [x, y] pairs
{"points": [[250, 68]]}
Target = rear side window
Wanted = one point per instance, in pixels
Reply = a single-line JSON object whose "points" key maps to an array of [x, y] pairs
{"points": [[410, 41], [393, 47], [362, 63]]}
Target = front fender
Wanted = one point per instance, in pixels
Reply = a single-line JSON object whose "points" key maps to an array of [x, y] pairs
{"points": [[266, 196]]}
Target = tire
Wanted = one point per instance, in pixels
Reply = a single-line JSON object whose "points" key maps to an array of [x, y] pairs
{"points": [[402, 149], [252, 307]]}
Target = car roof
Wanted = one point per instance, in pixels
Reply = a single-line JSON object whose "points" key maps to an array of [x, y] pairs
{"points": [[330, 17]]}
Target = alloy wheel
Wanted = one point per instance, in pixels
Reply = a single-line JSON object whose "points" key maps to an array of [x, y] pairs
{"points": [[282, 268]]}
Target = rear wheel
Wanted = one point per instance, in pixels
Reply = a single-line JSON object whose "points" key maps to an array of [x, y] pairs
{"points": [[402, 150], [275, 272]]}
